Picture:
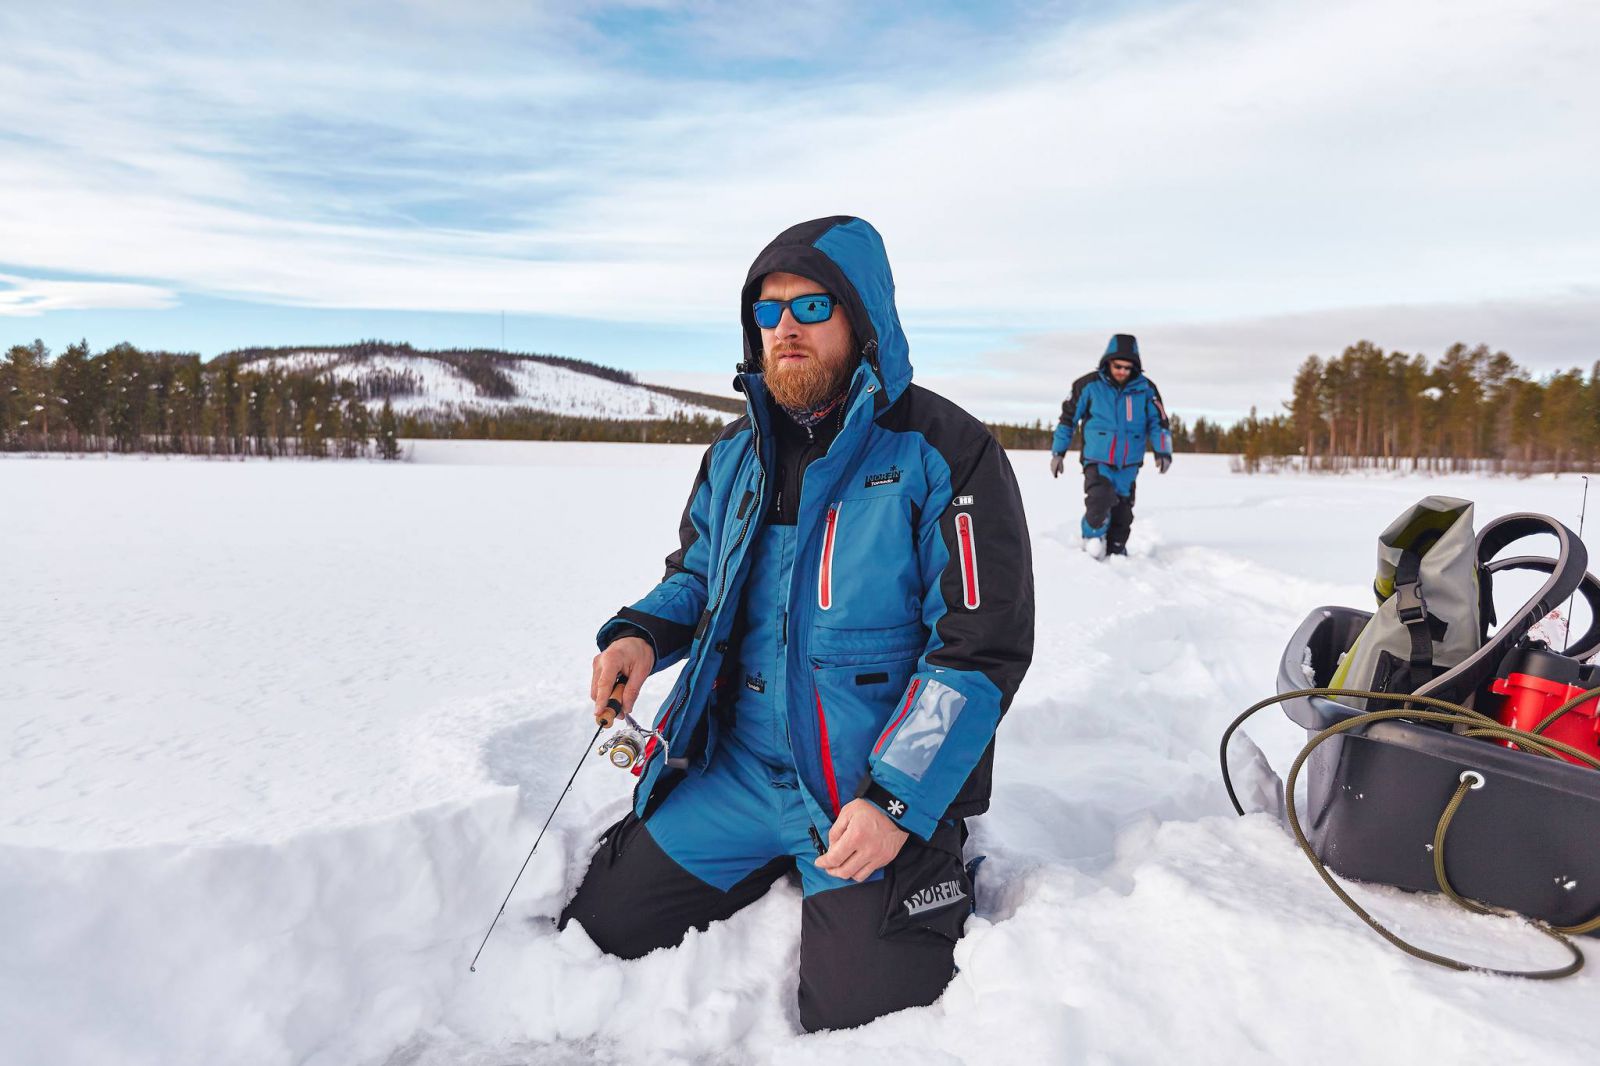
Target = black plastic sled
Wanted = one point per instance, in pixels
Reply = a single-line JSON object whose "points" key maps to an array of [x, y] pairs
{"points": [[1528, 841]]}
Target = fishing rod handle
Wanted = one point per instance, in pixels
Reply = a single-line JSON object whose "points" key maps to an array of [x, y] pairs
{"points": [[613, 708]]}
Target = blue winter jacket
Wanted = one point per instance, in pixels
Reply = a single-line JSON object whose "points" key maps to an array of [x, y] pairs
{"points": [[1119, 421], [910, 619]]}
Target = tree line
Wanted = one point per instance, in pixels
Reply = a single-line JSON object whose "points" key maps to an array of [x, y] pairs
{"points": [[1472, 409], [256, 402], [128, 400]]}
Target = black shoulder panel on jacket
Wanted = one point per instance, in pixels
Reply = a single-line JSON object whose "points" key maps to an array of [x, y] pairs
{"points": [[946, 425], [1161, 406], [1071, 406]]}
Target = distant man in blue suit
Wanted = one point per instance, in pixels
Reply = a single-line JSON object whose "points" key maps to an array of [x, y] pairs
{"points": [[1122, 414]]}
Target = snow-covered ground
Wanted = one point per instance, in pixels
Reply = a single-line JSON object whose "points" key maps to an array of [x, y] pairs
{"points": [[274, 737], [445, 390]]}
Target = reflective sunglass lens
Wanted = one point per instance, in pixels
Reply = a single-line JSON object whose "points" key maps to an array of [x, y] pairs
{"points": [[810, 309], [807, 310]]}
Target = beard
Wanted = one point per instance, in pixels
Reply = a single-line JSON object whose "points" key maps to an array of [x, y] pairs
{"points": [[807, 384]]}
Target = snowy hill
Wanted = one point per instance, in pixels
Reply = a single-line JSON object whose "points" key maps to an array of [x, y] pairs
{"points": [[446, 384], [262, 786]]}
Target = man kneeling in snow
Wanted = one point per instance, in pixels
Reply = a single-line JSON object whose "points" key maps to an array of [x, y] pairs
{"points": [[853, 598]]}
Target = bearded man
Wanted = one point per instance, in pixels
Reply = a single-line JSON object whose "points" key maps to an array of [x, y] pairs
{"points": [[852, 601]]}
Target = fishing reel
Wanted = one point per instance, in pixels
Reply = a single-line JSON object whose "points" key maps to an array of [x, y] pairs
{"points": [[625, 748]]}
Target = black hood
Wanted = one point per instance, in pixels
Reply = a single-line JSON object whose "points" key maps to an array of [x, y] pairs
{"points": [[846, 256], [1122, 346]]}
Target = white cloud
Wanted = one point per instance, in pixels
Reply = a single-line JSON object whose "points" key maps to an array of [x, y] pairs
{"points": [[1222, 368], [22, 297], [1203, 162]]}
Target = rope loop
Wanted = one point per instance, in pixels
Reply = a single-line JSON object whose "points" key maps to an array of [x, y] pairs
{"points": [[1473, 724]]}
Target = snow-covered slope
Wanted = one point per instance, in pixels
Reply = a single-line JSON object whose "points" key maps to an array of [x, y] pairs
{"points": [[269, 761], [437, 385]]}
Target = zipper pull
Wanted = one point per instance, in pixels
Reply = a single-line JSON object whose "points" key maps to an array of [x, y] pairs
{"points": [[783, 631], [816, 841]]}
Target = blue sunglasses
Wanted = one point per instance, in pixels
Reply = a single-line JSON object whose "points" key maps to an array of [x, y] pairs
{"points": [[807, 310]]}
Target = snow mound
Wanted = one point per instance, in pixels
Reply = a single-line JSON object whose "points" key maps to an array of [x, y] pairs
{"points": [[431, 384]]}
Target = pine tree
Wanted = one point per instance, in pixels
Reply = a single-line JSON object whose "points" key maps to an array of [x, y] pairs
{"points": [[388, 433]]}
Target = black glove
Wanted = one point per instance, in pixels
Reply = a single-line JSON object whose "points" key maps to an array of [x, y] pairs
{"points": [[1056, 463], [1163, 462]]}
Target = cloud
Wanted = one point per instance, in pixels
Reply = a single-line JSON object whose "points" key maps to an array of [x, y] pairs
{"points": [[1220, 369], [1192, 163], [23, 297]]}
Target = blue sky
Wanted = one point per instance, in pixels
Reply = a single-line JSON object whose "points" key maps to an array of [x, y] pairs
{"points": [[1239, 183]]}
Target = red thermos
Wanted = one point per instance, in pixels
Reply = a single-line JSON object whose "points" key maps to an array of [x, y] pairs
{"points": [[1537, 682]]}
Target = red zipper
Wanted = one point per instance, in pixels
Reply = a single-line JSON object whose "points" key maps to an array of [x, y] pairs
{"points": [[825, 575], [910, 696], [827, 758], [969, 560]]}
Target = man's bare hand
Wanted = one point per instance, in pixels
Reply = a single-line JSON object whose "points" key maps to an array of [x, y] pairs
{"points": [[863, 839], [631, 656]]}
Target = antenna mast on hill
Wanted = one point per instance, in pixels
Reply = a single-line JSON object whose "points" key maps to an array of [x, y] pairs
{"points": [[502, 331]]}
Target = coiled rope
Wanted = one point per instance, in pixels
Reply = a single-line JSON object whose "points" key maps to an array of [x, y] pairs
{"points": [[1472, 724]]}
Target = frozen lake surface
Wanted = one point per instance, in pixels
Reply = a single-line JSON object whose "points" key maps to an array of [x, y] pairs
{"points": [[274, 737]]}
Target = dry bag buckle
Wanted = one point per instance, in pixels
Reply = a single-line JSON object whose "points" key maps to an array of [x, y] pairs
{"points": [[1409, 604]]}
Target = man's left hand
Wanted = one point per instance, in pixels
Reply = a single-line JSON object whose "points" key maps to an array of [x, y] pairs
{"points": [[1163, 462], [863, 839]]}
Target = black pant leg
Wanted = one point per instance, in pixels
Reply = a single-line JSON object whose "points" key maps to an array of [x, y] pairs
{"points": [[635, 898], [1121, 522], [871, 949], [1099, 497]]}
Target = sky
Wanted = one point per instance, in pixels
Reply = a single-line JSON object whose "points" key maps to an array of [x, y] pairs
{"points": [[1239, 183]]}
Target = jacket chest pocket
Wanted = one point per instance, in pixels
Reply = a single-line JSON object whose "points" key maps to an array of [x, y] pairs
{"points": [[867, 575], [1098, 443]]}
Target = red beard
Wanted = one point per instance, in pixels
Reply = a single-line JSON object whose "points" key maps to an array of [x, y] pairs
{"points": [[805, 384]]}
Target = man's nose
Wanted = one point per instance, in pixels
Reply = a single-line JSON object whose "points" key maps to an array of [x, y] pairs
{"points": [[788, 325]]}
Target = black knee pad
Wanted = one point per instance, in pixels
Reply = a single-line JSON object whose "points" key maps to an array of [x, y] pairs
{"points": [[635, 898], [871, 949]]}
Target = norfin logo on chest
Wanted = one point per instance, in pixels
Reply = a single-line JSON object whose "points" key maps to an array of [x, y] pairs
{"points": [[888, 477]]}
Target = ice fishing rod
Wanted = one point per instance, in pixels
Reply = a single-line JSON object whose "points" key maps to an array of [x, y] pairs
{"points": [[1583, 512], [603, 718]]}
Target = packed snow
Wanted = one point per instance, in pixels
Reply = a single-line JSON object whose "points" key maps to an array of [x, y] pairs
{"points": [[444, 390], [278, 734]]}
